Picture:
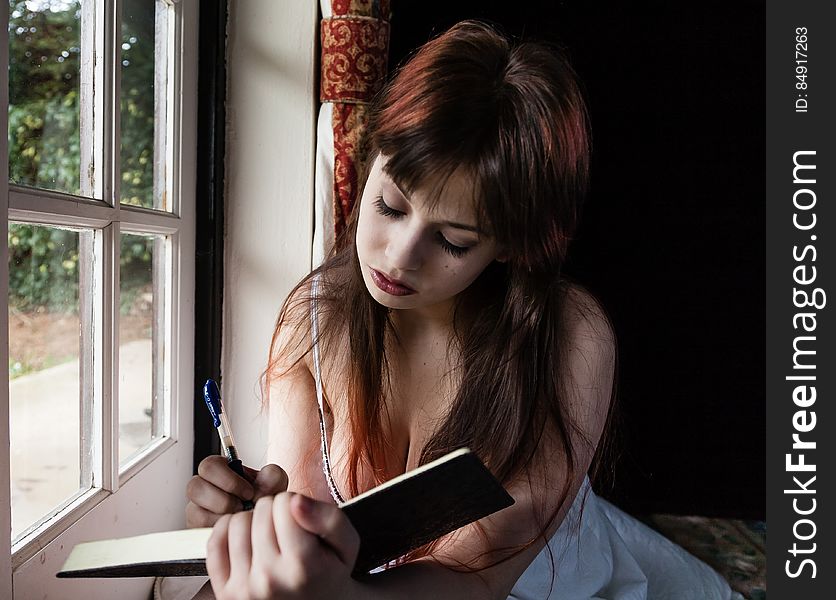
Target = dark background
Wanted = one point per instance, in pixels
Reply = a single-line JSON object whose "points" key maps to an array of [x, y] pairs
{"points": [[673, 238]]}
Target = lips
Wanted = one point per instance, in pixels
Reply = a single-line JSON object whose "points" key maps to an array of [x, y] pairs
{"points": [[390, 285]]}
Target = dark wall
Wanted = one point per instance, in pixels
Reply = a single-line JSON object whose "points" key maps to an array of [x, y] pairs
{"points": [[673, 236]]}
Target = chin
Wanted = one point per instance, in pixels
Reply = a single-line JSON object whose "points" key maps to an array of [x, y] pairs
{"points": [[378, 295]]}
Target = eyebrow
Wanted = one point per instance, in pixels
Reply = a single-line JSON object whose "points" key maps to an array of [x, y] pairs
{"points": [[463, 226], [453, 224]]}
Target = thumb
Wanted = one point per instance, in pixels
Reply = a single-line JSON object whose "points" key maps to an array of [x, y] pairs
{"points": [[327, 521], [270, 481]]}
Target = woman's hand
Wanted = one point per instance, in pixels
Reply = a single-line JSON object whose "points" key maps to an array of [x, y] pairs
{"points": [[289, 546], [218, 490]]}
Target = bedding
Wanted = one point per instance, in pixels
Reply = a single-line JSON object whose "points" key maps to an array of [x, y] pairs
{"points": [[734, 548]]}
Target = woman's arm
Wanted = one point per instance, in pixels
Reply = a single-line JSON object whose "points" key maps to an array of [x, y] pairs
{"points": [[293, 418], [294, 431], [293, 426]]}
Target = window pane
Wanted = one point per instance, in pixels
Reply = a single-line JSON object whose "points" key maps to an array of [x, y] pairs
{"points": [[44, 94], [141, 343], [46, 270], [143, 97]]}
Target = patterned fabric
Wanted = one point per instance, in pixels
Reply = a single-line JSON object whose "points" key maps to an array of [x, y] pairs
{"points": [[355, 48], [379, 9], [735, 548], [354, 57], [348, 122]]}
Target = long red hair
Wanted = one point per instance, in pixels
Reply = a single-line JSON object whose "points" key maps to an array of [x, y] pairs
{"points": [[514, 119]]}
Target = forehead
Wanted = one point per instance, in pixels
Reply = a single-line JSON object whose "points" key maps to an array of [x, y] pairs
{"points": [[450, 196]]}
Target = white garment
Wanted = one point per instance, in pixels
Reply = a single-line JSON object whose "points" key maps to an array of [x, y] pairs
{"points": [[610, 555]]}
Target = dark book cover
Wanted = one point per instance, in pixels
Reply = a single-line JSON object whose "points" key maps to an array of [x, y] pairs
{"points": [[395, 517], [422, 505]]}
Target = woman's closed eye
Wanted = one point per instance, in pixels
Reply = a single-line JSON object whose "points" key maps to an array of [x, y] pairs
{"points": [[449, 247], [386, 210], [452, 249]]}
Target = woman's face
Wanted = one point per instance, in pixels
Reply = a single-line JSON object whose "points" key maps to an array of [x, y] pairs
{"points": [[413, 256]]}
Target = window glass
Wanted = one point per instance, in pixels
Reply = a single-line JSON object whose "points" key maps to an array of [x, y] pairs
{"points": [[44, 94], [142, 346], [142, 104], [47, 272]]}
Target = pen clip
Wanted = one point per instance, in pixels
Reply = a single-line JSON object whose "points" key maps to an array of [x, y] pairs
{"points": [[212, 397]]}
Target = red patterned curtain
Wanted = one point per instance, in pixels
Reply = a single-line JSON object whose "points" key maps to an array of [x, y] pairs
{"points": [[355, 46]]}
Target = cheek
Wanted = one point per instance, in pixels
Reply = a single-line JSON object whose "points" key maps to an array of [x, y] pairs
{"points": [[376, 235], [486, 257], [460, 276], [366, 231]]}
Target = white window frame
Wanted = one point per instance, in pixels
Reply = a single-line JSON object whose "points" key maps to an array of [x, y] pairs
{"points": [[148, 493]]}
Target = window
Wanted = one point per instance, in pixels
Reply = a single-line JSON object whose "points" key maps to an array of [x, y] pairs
{"points": [[100, 263]]}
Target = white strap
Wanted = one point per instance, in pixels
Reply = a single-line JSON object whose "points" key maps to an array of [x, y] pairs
{"points": [[326, 462]]}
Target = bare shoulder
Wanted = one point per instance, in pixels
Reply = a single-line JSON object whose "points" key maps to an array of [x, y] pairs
{"points": [[584, 317], [588, 361], [292, 336], [293, 422]]}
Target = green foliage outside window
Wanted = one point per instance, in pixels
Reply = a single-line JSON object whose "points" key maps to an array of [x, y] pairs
{"points": [[44, 146], [43, 98], [43, 267]]}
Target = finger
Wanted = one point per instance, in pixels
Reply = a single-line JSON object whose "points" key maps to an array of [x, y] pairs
{"points": [[329, 523], [249, 473], [216, 471], [217, 555], [240, 545], [265, 544], [208, 496], [295, 542], [199, 517], [271, 480]]}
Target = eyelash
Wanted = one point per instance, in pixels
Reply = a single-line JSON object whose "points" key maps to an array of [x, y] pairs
{"points": [[387, 211], [452, 249]]}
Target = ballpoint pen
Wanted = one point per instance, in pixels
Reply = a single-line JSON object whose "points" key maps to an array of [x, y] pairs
{"points": [[212, 396]]}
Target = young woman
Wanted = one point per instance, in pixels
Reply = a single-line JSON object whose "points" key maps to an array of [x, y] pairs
{"points": [[442, 320]]}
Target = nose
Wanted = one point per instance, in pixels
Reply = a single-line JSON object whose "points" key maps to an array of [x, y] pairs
{"points": [[404, 250]]}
